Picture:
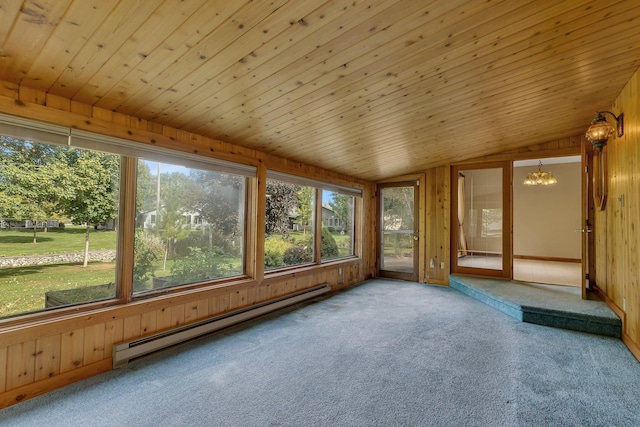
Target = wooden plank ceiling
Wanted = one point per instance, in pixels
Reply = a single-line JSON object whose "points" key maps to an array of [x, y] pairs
{"points": [[371, 88]]}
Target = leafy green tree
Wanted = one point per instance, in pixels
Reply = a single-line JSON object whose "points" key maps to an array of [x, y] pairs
{"points": [[146, 188], [398, 208], [147, 249], [305, 207], [93, 182], [33, 178], [171, 219], [218, 198], [342, 206], [282, 200]]}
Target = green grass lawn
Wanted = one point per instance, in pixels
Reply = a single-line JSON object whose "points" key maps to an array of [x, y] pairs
{"points": [[22, 289], [54, 241]]}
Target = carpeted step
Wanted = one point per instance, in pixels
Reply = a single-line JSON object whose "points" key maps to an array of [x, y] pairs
{"points": [[554, 306]]}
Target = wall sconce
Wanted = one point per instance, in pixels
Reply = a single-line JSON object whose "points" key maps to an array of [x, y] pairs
{"points": [[600, 131]]}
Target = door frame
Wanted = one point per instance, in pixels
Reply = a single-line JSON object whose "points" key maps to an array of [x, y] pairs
{"points": [[415, 183], [507, 221], [589, 201]]}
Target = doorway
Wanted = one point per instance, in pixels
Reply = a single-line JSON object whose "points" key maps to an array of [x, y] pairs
{"points": [[481, 219], [547, 240], [398, 235]]}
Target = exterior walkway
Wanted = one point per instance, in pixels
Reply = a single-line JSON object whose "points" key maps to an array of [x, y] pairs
{"points": [[548, 305]]}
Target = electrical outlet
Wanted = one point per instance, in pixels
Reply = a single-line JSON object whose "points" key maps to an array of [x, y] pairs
{"points": [[624, 304], [442, 265], [432, 263]]}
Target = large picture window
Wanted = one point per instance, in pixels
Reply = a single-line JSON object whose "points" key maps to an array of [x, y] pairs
{"points": [[289, 227], [67, 196], [337, 225], [58, 220], [189, 226], [62, 193], [292, 205]]}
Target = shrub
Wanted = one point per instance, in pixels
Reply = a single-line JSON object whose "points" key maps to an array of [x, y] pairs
{"points": [[329, 247], [198, 266], [148, 248], [205, 238], [297, 255], [274, 249]]}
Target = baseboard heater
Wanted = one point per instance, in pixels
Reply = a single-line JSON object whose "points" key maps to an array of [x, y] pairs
{"points": [[126, 352]]}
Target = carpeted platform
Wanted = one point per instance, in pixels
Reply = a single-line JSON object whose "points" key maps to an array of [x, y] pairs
{"points": [[548, 305]]}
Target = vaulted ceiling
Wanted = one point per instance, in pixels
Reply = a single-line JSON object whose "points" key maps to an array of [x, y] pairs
{"points": [[370, 88]]}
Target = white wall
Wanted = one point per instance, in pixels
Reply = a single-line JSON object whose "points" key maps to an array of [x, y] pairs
{"points": [[545, 218], [483, 191]]}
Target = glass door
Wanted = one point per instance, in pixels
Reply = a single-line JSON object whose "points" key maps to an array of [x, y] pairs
{"points": [[398, 235], [481, 220]]}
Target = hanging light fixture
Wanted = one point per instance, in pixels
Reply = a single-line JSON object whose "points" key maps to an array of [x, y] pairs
{"points": [[600, 131], [540, 177]]}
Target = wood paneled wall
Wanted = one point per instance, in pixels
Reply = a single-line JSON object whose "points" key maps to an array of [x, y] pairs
{"points": [[437, 203], [617, 227], [438, 231], [40, 355]]}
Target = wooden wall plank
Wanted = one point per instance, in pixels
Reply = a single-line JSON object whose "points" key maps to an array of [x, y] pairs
{"points": [[47, 357], [94, 348], [132, 327], [113, 334], [33, 96], [72, 350], [177, 315], [437, 224], [617, 227], [58, 102], [164, 318], [148, 322], [11, 397], [3, 369], [21, 360], [191, 312], [234, 300]]}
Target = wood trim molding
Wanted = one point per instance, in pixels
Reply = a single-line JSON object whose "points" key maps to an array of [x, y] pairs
{"points": [[547, 258], [558, 148], [633, 347]]}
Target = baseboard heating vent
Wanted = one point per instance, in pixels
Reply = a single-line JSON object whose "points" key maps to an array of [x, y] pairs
{"points": [[127, 352]]}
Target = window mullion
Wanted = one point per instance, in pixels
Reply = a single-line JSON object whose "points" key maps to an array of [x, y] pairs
{"points": [[126, 228], [317, 250]]}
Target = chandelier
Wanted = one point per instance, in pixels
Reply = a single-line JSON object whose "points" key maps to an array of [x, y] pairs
{"points": [[540, 177]]}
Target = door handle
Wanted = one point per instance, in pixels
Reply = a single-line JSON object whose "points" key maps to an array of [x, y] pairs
{"points": [[582, 230]]}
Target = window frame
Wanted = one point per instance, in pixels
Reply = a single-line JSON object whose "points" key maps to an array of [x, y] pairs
{"points": [[187, 286], [353, 228], [129, 153], [319, 186]]}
